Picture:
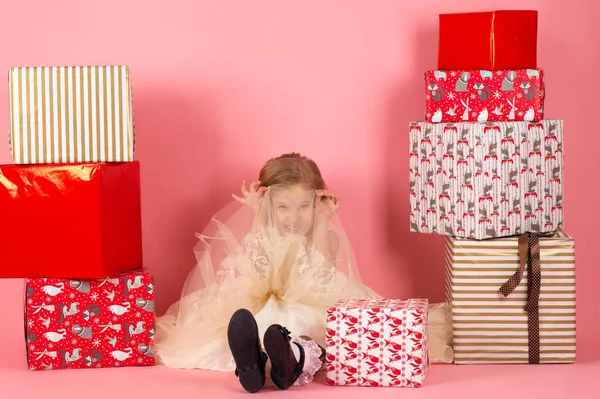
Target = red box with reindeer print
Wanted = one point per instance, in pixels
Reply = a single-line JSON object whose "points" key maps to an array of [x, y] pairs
{"points": [[377, 343], [77, 324], [484, 96]]}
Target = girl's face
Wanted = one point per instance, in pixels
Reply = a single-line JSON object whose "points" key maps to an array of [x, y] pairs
{"points": [[293, 209]]}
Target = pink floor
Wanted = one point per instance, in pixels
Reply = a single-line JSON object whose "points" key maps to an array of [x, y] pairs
{"points": [[580, 380]]}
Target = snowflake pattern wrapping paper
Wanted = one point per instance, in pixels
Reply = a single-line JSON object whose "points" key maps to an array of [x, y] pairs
{"points": [[90, 323], [480, 181], [377, 343], [485, 96]]}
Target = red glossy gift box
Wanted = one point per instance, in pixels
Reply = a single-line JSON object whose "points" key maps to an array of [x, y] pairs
{"points": [[74, 324], [78, 220], [492, 40]]}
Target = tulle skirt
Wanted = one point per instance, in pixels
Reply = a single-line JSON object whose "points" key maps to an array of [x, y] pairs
{"points": [[280, 279], [186, 342]]}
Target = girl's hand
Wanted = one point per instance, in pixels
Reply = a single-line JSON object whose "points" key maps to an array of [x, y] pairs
{"points": [[251, 198], [326, 204]]}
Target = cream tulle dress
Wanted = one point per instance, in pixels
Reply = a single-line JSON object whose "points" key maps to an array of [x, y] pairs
{"points": [[246, 261]]}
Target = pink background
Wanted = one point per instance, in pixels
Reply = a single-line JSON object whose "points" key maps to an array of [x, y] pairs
{"points": [[221, 86]]}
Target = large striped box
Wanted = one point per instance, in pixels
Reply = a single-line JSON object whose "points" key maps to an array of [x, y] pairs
{"points": [[71, 114], [489, 328]]}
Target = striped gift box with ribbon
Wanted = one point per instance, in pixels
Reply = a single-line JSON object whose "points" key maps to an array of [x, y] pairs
{"points": [[512, 298], [71, 114]]}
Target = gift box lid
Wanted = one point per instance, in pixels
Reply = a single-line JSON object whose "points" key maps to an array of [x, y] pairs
{"points": [[388, 304]]}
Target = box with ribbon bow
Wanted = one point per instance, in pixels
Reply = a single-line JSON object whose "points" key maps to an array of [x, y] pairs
{"points": [[90, 323], [512, 298]]}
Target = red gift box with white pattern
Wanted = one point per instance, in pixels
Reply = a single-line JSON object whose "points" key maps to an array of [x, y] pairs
{"points": [[377, 343], [484, 96], [504, 39], [82, 324], [80, 220]]}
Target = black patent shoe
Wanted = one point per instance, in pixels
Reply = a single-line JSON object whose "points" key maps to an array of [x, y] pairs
{"points": [[285, 369], [244, 343]]}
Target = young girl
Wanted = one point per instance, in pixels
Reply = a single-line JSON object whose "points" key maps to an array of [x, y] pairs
{"points": [[268, 265]]}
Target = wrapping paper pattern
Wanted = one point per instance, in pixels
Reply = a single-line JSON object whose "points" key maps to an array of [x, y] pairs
{"points": [[485, 96], [502, 39], [70, 220], [74, 324], [377, 343], [491, 328], [71, 114], [487, 180]]}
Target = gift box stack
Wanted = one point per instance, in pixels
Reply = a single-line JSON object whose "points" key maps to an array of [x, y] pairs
{"points": [[486, 170], [71, 217]]}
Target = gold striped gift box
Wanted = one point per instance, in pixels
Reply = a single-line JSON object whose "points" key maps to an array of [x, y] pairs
{"points": [[71, 114], [491, 328]]}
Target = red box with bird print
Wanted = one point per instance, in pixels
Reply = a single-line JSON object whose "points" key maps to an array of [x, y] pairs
{"points": [[80, 324], [485, 96], [377, 343]]}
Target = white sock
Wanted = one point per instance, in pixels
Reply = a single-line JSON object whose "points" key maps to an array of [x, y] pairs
{"points": [[296, 351]]}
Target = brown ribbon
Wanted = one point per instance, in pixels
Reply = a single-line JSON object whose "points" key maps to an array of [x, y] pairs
{"points": [[529, 257]]}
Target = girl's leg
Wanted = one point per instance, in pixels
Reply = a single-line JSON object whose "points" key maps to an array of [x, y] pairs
{"points": [[293, 360], [314, 358], [244, 342]]}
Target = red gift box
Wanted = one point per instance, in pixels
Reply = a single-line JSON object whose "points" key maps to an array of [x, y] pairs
{"points": [[488, 40], [70, 220], [485, 96], [74, 324]]}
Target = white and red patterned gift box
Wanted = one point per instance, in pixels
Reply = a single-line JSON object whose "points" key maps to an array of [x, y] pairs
{"points": [[74, 324], [486, 180], [485, 96], [377, 343]]}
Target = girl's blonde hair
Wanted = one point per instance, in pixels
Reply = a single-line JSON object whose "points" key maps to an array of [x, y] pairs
{"points": [[292, 168]]}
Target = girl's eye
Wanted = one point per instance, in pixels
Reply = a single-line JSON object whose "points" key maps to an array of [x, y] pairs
{"points": [[304, 206], [282, 207]]}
